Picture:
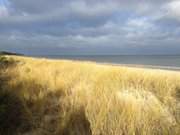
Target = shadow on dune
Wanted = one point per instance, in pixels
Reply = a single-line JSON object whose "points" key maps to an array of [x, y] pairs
{"points": [[77, 124], [27, 112], [13, 113]]}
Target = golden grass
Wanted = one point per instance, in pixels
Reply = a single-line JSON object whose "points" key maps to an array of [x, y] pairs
{"points": [[73, 98]]}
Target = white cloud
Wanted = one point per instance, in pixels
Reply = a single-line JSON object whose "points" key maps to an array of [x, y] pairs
{"points": [[138, 28], [173, 9], [139, 22], [3, 11]]}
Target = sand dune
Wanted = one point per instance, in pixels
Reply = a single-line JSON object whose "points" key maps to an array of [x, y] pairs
{"points": [[63, 97]]}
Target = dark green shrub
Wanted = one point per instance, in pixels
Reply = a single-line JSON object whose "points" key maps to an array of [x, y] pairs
{"points": [[4, 61]]}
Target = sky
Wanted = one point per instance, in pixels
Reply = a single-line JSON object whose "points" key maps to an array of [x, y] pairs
{"points": [[37, 27]]}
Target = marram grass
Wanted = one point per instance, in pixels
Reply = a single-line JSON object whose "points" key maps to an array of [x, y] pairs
{"points": [[59, 97]]}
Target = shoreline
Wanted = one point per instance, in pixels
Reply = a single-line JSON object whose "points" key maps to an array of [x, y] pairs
{"points": [[166, 68], [158, 67]]}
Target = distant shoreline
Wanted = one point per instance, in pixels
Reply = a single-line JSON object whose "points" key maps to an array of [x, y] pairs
{"points": [[168, 68]]}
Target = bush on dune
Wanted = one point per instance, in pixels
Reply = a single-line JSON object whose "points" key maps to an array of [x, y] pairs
{"points": [[6, 62]]}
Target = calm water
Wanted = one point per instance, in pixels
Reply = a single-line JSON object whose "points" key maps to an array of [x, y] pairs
{"points": [[157, 60]]}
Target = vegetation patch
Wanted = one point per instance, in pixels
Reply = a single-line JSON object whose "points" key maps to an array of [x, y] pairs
{"points": [[6, 62]]}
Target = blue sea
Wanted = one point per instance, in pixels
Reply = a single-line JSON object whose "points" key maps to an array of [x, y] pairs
{"points": [[162, 61]]}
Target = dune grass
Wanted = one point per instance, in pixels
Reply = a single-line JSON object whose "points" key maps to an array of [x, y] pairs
{"points": [[60, 97]]}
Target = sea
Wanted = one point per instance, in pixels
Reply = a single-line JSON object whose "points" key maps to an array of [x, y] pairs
{"points": [[152, 61]]}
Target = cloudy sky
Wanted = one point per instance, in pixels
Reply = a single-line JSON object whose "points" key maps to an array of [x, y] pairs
{"points": [[90, 26]]}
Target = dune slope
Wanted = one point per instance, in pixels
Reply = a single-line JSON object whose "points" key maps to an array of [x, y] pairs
{"points": [[61, 97]]}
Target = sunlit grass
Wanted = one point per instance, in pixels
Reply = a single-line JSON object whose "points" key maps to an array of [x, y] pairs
{"points": [[74, 98]]}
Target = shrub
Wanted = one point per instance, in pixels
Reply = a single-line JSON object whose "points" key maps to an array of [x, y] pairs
{"points": [[4, 61]]}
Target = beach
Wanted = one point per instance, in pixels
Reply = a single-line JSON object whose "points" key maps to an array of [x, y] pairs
{"points": [[145, 66], [167, 62]]}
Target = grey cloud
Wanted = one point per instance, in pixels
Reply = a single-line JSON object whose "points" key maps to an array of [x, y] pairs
{"points": [[124, 26]]}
